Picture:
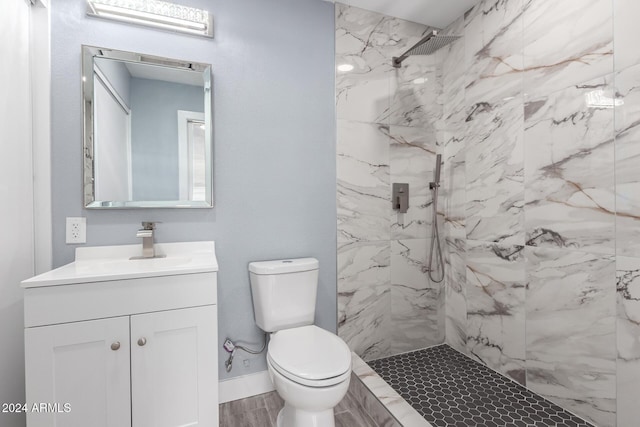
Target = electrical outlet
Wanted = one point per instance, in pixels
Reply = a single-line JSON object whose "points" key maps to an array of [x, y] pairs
{"points": [[76, 230], [228, 345]]}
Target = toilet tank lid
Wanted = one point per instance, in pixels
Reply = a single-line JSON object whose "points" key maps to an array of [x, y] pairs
{"points": [[283, 266]]}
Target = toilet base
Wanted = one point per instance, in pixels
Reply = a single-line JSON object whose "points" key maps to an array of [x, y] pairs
{"points": [[293, 417], [306, 406]]}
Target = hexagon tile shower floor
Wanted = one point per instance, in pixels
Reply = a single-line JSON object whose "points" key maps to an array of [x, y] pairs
{"points": [[451, 390]]}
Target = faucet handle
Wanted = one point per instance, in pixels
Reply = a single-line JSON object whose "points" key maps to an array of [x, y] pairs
{"points": [[144, 233], [150, 225]]}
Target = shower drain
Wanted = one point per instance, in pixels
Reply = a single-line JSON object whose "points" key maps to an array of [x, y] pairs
{"points": [[451, 390]]}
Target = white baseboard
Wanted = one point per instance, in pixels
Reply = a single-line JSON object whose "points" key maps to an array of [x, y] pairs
{"points": [[244, 386]]}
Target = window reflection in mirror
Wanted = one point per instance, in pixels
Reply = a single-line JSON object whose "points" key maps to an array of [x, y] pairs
{"points": [[192, 154], [147, 131]]}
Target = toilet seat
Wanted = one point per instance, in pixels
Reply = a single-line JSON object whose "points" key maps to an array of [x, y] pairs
{"points": [[327, 382], [310, 356]]}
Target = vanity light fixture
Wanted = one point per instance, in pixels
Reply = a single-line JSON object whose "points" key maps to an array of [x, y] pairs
{"points": [[154, 13], [345, 68]]}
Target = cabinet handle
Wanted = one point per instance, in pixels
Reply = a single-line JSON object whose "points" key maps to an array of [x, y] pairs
{"points": [[142, 341], [115, 346]]}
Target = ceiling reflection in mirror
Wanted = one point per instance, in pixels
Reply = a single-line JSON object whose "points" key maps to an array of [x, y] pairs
{"points": [[147, 131]]}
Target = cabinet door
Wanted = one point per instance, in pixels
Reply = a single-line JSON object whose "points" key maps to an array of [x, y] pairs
{"points": [[174, 368], [80, 364]]}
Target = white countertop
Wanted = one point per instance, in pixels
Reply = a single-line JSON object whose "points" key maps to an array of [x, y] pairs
{"points": [[106, 263]]}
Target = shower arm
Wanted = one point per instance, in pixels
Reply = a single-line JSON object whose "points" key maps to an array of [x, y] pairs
{"points": [[397, 60]]}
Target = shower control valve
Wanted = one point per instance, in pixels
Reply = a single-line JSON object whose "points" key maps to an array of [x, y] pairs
{"points": [[400, 197]]}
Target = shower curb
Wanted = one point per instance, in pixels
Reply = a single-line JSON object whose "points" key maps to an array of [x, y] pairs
{"points": [[403, 414]]}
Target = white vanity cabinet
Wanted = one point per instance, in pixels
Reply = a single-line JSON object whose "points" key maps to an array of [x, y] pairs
{"points": [[174, 368], [138, 351], [72, 363]]}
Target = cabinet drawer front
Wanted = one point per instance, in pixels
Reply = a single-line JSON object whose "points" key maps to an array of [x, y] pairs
{"points": [[174, 368], [85, 301], [82, 369]]}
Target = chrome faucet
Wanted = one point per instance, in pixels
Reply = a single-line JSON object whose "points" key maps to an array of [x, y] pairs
{"points": [[146, 233]]}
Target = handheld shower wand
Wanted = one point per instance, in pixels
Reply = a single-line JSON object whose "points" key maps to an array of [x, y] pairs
{"points": [[436, 173], [435, 274]]}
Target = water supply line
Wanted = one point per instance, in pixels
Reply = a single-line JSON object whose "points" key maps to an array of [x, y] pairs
{"points": [[231, 348], [435, 234]]}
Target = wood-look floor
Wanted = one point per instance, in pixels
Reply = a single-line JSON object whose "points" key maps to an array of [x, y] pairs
{"points": [[262, 411]]}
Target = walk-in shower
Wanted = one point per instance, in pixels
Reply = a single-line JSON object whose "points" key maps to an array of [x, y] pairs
{"points": [[497, 193]]}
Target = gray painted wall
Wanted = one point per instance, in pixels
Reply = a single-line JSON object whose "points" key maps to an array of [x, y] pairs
{"points": [[154, 135], [274, 144]]}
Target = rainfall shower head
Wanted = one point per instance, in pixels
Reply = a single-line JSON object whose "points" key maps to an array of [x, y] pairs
{"points": [[428, 45]]}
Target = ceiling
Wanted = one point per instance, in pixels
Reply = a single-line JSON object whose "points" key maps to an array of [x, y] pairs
{"points": [[436, 13]]}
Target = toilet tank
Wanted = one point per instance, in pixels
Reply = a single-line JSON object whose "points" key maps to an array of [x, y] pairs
{"points": [[284, 292]]}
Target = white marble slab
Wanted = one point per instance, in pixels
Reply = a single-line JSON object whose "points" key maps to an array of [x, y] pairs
{"points": [[453, 79], [416, 313], [453, 190], [395, 404], [628, 339], [627, 159], [413, 157], [584, 31], [362, 41], [495, 307], [454, 194], [495, 176], [571, 338], [626, 33], [416, 89], [363, 192], [389, 130], [569, 173], [455, 294], [415, 86], [473, 34], [364, 300], [495, 59], [370, 404]]}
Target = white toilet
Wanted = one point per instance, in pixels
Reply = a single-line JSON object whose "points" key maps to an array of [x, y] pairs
{"points": [[309, 367]]}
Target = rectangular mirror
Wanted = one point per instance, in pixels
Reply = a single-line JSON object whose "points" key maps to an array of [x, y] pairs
{"points": [[147, 131]]}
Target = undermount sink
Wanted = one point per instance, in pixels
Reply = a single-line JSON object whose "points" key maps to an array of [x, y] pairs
{"points": [[103, 263]]}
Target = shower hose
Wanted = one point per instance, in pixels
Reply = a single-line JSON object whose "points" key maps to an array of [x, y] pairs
{"points": [[435, 241]]}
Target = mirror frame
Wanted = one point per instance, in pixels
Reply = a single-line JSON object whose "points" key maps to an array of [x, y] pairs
{"points": [[89, 54]]}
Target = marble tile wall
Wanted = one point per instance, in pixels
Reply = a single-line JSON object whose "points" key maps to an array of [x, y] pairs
{"points": [[627, 178], [569, 191], [454, 187], [628, 340], [389, 130], [495, 283], [542, 198], [571, 316]]}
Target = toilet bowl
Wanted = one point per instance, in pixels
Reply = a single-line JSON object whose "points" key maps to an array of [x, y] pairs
{"points": [[310, 369]]}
